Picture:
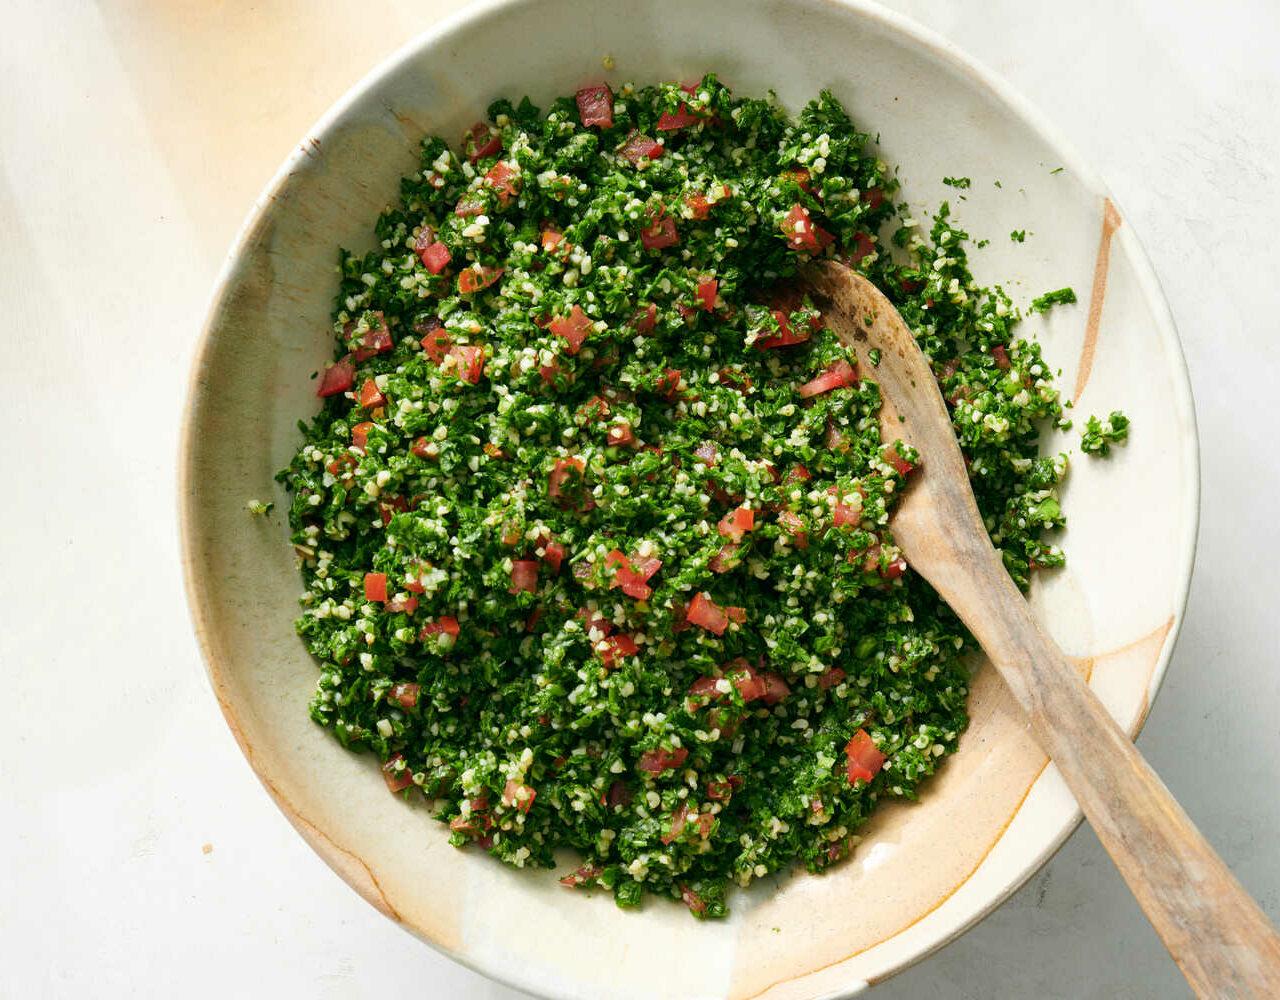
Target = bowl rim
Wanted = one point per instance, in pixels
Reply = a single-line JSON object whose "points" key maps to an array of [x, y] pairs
{"points": [[483, 10]]}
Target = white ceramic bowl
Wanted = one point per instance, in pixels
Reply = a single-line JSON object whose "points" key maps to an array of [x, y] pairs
{"points": [[925, 872]]}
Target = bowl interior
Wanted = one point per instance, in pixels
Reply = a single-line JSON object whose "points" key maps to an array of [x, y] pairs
{"points": [[925, 871]]}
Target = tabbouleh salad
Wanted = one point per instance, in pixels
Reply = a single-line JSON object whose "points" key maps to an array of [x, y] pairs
{"points": [[594, 521]]}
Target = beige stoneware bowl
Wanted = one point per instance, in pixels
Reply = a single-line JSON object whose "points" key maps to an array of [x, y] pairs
{"points": [[925, 872]]}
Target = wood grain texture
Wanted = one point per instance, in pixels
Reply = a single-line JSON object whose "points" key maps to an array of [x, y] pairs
{"points": [[1221, 940]]}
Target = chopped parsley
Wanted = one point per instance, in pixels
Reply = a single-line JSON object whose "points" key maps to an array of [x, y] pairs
{"points": [[594, 521], [1060, 297], [1018, 236], [1100, 435], [957, 182]]}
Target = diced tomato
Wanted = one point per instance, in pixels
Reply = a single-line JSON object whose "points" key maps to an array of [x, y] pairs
{"points": [[698, 205], [568, 470], [420, 447], [801, 176], [707, 293], [444, 625], [375, 586], [638, 147], [375, 340], [734, 524], [775, 688], [574, 328], [435, 257], [707, 452], [360, 435], [505, 181], [337, 378], [405, 694], [524, 576], [668, 386], [659, 760], [660, 233], [912, 285], [837, 376], [397, 781], [863, 247], [897, 461], [469, 360], [786, 335], [864, 759], [471, 203], [677, 823], [595, 106], [692, 900], [518, 795], [616, 646], [645, 319], [389, 506], [682, 118], [480, 142], [719, 791], [593, 409], [703, 611], [793, 524], [553, 555], [736, 614], [551, 240], [1001, 357], [799, 229], [371, 395], [473, 279], [874, 198], [426, 236], [831, 678], [723, 561], [531, 622], [587, 873], [620, 435], [435, 345]]}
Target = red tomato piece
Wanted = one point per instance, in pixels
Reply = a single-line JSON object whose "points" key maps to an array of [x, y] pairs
{"points": [[799, 229], [553, 555], [435, 257], [551, 239], [660, 233], [337, 378], [518, 795], [568, 470], [444, 625], [723, 561], [775, 688], [897, 461], [668, 386], [831, 678], [505, 181], [375, 586], [863, 247], [1001, 357], [659, 760], [786, 335], [524, 576], [698, 205], [707, 293], [420, 447], [406, 695], [682, 118], [595, 106], [792, 523], [360, 435], [587, 873], [638, 147], [574, 328], [481, 141], [837, 376], [371, 395], [435, 345], [620, 434], [389, 506], [469, 360], [677, 823], [473, 279], [865, 760], [692, 900], [873, 197], [645, 319], [734, 524], [705, 612], [397, 781]]}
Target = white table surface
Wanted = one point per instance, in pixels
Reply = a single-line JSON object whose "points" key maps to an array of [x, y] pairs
{"points": [[134, 134]]}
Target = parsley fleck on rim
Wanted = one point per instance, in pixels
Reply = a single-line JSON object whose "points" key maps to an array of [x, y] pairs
{"points": [[594, 519]]}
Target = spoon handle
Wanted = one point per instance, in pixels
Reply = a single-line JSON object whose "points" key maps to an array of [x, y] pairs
{"points": [[1220, 938]]}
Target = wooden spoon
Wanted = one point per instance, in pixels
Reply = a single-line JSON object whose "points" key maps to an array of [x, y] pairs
{"points": [[1221, 940]]}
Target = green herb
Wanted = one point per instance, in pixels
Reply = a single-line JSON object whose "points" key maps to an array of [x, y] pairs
{"points": [[1060, 297], [258, 508], [956, 182], [1018, 236], [1056, 170], [1100, 435], [874, 355], [581, 562]]}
